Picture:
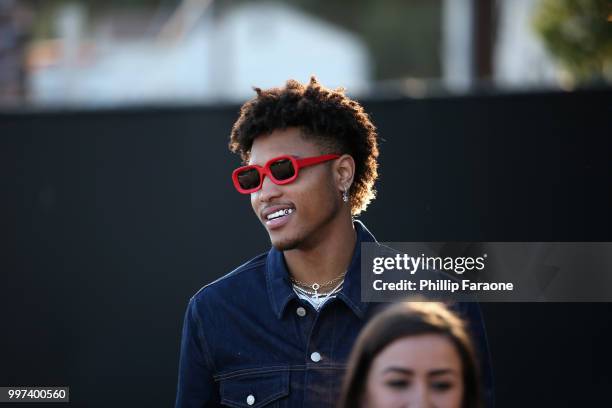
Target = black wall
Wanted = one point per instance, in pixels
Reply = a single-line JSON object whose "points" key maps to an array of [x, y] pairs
{"points": [[110, 220]]}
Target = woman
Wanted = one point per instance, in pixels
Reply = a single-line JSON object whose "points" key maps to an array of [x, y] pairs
{"points": [[416, 354]]}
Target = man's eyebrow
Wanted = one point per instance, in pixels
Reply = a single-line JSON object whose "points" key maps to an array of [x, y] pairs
{"points": [[401, 370]]}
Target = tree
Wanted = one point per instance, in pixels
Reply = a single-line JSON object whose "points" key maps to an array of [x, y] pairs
{"points": [[579, 34]]}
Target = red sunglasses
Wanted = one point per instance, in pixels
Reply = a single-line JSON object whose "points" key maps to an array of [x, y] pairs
{"points": [[281, 170]]}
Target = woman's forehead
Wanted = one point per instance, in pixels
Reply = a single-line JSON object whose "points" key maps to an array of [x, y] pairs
{"points": [[419, 351]]}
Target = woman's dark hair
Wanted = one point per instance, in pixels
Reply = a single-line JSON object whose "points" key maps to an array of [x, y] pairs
{"points": [[404, 320], [334, 121]]}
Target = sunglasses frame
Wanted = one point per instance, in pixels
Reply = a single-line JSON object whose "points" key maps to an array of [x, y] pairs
{"points": [[265, 170]]}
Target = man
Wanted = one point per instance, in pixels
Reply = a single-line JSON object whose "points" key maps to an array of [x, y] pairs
{"points": [[277, 331]]}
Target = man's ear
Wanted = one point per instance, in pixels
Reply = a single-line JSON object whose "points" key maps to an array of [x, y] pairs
{"points": [[344, 172]]}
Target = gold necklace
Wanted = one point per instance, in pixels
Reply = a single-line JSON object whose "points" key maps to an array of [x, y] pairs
{"points": [[336, 289], [316, 286]]}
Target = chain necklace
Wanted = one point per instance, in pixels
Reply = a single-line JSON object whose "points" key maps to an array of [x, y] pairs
{"points": [[315, 298], [316, 286], [317, 293]]}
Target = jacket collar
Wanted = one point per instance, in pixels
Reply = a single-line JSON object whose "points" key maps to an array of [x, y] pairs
{"points": [[279, 287]]}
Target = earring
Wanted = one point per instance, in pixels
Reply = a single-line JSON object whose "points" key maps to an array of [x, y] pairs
{"points": [[345, 196]]}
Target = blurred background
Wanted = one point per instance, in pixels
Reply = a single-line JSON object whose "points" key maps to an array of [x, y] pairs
{"points": [[116, 203], [117, 52]]}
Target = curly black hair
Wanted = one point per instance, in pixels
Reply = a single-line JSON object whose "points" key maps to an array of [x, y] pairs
{"points": [[334, 121]]}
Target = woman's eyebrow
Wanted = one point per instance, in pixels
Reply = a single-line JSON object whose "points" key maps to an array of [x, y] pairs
{"points": [[441, 371], [402, 370]]}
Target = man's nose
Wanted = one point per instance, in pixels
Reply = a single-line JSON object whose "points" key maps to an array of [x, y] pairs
{"points": [[268, 190]]}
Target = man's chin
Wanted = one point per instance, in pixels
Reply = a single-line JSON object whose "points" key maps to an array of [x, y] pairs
{"points": [[284, 243], [285, 246]]}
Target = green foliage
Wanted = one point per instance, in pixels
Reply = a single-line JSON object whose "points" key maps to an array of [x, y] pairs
{"points": [[579, 34]]}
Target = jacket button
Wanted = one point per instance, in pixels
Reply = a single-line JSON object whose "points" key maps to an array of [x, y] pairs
{"points": [[251, 399], [316, 357], [300, 311]]}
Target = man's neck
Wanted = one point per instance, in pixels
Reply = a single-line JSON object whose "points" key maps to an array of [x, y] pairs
{"points": [[329, 258]]}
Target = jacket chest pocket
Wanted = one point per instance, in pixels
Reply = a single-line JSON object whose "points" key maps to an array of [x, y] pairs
{"points": [[252, 390]]}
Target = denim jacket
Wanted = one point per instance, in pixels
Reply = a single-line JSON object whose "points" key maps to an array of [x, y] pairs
{"points": [[249, 341]]}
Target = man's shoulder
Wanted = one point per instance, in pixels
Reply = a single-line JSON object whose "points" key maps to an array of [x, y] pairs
{"points": [[238, 278]]}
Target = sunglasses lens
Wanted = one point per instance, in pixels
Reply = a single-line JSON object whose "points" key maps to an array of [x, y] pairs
{"points": [[248, 179], [282, 169]]}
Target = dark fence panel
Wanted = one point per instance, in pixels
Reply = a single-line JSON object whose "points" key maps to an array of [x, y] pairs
{"points": [[110, 221]]}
